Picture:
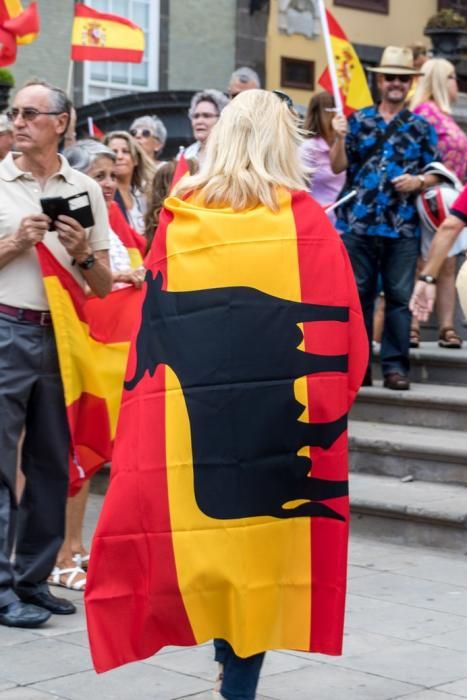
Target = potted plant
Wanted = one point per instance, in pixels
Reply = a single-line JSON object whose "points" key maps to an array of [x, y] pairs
{"points": [[446, 30], [7, 81]]}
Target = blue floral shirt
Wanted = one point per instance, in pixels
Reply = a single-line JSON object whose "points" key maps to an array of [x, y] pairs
{"points": [[378, 209]]}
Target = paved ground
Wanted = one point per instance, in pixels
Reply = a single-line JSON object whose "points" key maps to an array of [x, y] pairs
{"points": [[406, 638]]}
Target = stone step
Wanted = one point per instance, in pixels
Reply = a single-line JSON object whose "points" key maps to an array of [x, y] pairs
{"points": [[425, 454], [426, 405], [435, 365], [415, 513]]}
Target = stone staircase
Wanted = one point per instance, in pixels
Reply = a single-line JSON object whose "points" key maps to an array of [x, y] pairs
{"points": [[408, 454]]}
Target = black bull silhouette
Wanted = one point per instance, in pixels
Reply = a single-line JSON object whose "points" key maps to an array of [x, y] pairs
{"points": [[234, 351]]}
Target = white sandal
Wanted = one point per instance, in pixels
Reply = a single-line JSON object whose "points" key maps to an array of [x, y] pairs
{"points": [[55, 578], [81, 560]]}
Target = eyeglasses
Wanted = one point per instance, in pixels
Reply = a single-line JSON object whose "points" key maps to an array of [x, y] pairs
{"points": [[145, 133], [204, 115], [26, 113], [390, 78], [284, 97]]}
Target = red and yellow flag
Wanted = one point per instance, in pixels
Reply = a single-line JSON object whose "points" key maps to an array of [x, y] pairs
{"points": [[93, 340], [133, 241], [350, 74], [227, 513], [99, 36], [17, 26]]}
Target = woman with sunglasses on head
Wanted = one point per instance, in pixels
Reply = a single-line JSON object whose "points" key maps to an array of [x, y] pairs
{"points": [[433, 99], [205, 109], [238, 368], [151, 135], [134, 170]]}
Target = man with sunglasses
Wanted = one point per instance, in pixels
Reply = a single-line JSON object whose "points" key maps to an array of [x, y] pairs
{"points": [[31, 391], [385, 149]]}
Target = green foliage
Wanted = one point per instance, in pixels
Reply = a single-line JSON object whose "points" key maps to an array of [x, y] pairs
{"points": [[6, 77], [446, 19]]}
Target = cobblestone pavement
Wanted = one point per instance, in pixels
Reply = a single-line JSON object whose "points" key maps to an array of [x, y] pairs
{"points": [[406, 637]]}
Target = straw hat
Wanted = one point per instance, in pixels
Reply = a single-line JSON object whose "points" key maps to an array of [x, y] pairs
{"points": [[396, 61]]}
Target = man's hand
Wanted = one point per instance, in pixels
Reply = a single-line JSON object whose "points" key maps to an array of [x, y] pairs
{"points": [[422, 300], [32, 230], [340, 126], [406, 183], [134, 277], [72, 236]]}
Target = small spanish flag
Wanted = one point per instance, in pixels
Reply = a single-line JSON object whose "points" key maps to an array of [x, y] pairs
{"points": [[98, 36], [17, 26], [133, 241], [93, 341], [350, 74]]}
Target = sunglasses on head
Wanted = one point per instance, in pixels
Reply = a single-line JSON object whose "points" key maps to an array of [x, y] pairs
{"points": [[284, 97], [145, 133], [390, 78]]}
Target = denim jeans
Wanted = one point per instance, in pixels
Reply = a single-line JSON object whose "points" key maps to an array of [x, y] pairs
{"points": [[395, 259], [240, 675]]}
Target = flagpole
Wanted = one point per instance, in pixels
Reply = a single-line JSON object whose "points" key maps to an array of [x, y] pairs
{"points": [[330, 57], [69, 82]]}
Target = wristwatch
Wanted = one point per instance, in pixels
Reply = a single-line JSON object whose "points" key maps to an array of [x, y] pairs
{"points": [[422, 181], [429, 279], [88, 262]]}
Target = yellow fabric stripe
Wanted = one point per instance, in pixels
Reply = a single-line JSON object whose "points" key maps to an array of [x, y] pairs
{"points": [[136, 259], [350, 73], [85, 364], [217, 561], [14, 7], [115, 35]]}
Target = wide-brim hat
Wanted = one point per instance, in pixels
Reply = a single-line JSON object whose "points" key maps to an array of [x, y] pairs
{"points": [[396, 61]]}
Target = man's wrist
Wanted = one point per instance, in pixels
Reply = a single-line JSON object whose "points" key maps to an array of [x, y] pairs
{"points": [[82, 255], [422, 181]]}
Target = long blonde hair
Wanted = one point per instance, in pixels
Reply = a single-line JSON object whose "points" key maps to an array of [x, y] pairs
{"points": [[433, 84], [251, 152]]}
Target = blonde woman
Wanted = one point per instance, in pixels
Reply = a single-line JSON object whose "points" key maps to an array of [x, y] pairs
{"points": [[135, 171], [246, 280], [433, 99]]}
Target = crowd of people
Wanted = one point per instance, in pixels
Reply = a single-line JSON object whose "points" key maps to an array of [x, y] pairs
{"points": [[385, 157]]}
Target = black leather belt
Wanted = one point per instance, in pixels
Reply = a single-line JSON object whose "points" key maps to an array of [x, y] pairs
{"points": [[41, 318]]}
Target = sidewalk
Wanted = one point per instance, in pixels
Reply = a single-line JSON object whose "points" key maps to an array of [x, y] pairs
{"points": [[406, 638]]}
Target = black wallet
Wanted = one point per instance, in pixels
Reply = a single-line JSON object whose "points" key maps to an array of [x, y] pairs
{"points": [[78, 206]]}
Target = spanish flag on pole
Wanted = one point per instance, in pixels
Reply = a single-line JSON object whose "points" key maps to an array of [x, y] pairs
{"points": [[98, 36], [351, 77], [227, 512], [17, 26], [93, 340]]}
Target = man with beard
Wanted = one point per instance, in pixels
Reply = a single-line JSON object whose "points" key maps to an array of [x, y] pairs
{"points": [[385, 149]]}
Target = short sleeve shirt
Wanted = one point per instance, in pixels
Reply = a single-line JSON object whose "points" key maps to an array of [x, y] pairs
{"points": [[378, 209], [21, 282], [459, 208]]}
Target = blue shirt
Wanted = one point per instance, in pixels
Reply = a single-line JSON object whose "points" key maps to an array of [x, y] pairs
{"points": [[378, 209]]}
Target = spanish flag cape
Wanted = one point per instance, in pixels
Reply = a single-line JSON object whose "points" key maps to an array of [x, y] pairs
{"points": [[227, 513], [93, 340]]}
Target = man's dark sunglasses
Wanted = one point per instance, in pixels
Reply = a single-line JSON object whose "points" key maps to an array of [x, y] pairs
{"points": [[390, 78], [26, 113], [284, 97], [145, 133]]}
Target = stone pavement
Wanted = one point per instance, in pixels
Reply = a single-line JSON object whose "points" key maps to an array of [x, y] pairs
{"points": [[406, 637]]}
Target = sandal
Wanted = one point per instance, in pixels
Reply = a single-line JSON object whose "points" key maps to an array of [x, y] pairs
{"points": [[448, 338], [414, 337], [75, 578], [81, 560]]}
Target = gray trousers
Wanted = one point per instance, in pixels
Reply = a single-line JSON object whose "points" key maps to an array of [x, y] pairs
{"points": [[31, 396]]}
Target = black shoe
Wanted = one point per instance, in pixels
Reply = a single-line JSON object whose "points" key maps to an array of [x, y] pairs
{"points": [[396, 381], [368, 378], [19, 614], [45, 599]]}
